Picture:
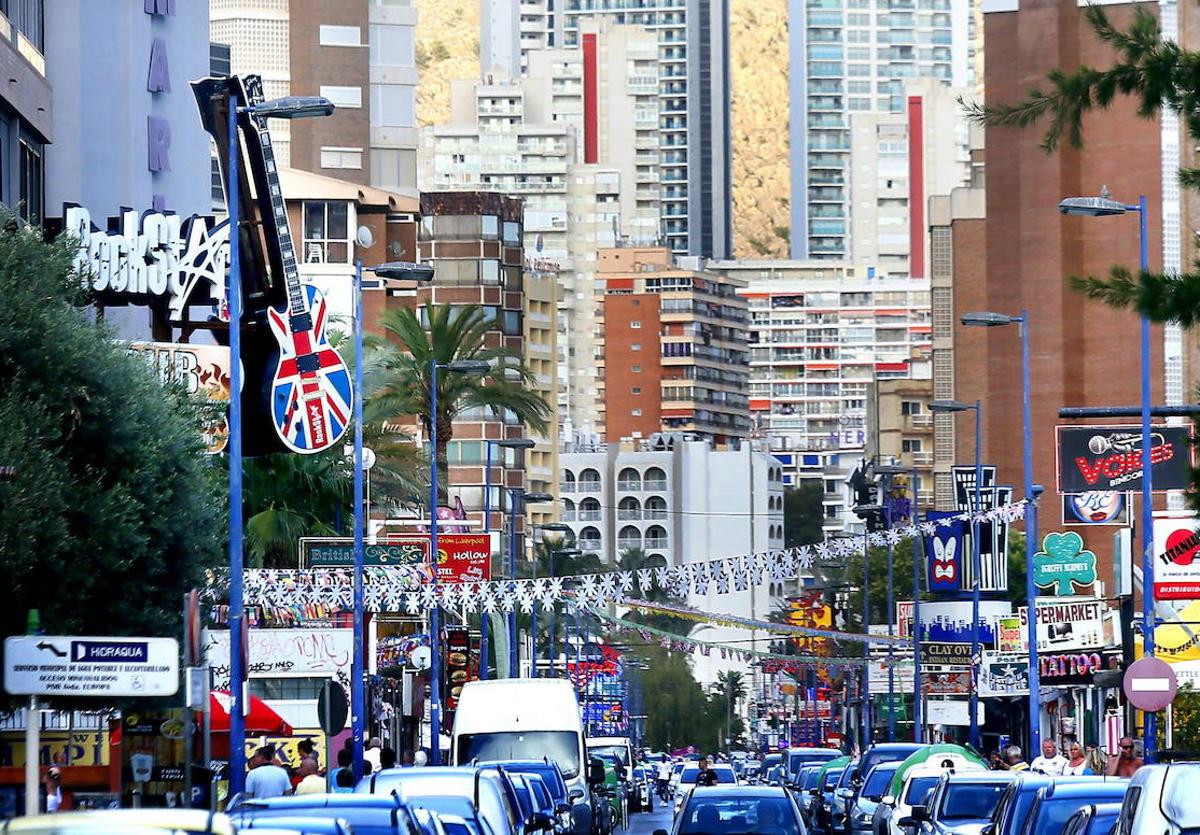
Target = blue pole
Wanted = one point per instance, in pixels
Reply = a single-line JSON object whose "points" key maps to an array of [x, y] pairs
{"points": [[533, 671], [435, 625], [866, 673], [1150, 719], [976, 570], [887, 518], [514, 497], [484, 617], [918, 545], [237, 609], [553, 622], [1031, 532], [358, 707]]}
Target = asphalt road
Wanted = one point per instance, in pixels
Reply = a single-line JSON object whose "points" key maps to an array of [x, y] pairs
{"points": [[644, 823]]}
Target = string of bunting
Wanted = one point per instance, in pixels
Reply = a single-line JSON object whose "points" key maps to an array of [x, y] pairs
{"points": [[406, 588], [684, 643], [722, 619]]}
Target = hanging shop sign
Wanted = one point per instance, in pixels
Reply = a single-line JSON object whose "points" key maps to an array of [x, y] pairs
{"points": [[1073, 668], [904, 618], [203, 372], [993, 534], [945, 682], [1096, 507], [1003, 674], [1009, 637], [946, 654], [1110, 458], [944, 550], [1176, 557], [458, 668], [1067, 624], [1064, 566], [953, 620], [462, 557], [951, 712]]}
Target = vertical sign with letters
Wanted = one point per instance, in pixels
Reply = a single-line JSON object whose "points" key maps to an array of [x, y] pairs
{"points": [[158, 83]]}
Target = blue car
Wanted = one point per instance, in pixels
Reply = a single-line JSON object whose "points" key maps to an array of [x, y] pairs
{"points": [[1054, 804], [1093, 819], [366, 815], [1013, 809], [457, 814]]}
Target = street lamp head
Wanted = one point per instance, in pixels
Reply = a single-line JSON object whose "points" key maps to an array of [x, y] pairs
{"points": [[569, 552], [292, 107], [945, 406], [555, 527], [468, 366], [1102, 206], [891, 469], [988, 319], [515, 443], [537, 498], [405, 271]]}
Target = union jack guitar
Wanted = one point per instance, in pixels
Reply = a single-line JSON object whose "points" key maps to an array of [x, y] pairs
{"points": [[311, 393]]}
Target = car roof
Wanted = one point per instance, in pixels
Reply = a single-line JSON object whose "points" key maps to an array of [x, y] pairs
{"points": [[321, 801], [814, 751], [1112, 786], [979, 776], [896, 746], [740, 791]]}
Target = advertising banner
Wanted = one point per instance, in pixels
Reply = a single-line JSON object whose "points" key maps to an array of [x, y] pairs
{"points": [[458, 667], [1096, 507], [1009, 637], [945, 681], [944, 550], [1176, 557], [1110, 458], [1004, 674], [462, 557], [203, 372], [902, 673], [904, 618], [1064, 566], [952, 621], [1068, 624], [993, 536], [946, 654]]}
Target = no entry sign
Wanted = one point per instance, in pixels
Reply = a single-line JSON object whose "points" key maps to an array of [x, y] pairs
{"points": [[1150, 684], [1176, 558]]}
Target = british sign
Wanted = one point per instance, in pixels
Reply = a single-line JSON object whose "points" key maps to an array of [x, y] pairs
{"points": [[1066, 624], [1110, 458], [462, 557], [1176, 558], [56, 665]]}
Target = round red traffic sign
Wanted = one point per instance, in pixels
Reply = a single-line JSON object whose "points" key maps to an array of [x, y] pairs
{"points": [[1150, 684]]}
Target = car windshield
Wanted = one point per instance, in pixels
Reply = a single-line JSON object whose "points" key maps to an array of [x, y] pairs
{"points": [[610, 752], [725, 774], [846, 776], [831, 778], [561, 747], [877, 782], [549, 775], [1180, 803], [972, 800], [918, 787], [725, 815], [810, 778]]}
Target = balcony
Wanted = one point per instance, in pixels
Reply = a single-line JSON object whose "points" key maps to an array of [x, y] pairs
{"points": [[629, 514], [628, 543], [922, 459], [589, 515], [657, 543], [654, 484], [589, 545], [568, 516], [656, 513], [588, 487]]}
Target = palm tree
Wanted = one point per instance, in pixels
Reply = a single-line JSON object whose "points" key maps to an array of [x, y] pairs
{"points": [[732, 688], [446, 334]]}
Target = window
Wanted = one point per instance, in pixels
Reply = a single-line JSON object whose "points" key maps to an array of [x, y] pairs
{"points": [[341, 158], [392, 106], [637, 346], [636, 369], [910, 407], [392, 46], [635, 389], [341, 36], [290, 689], [393, 168], [30, 208], [342, 96], [635, 324], [326, 233], [910, 444], [635, 412]]}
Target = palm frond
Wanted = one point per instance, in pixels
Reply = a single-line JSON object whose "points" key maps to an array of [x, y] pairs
{"points": [[1160, 298]]}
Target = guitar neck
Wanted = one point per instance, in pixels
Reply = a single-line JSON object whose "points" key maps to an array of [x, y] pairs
{"points": [[287, 251]]}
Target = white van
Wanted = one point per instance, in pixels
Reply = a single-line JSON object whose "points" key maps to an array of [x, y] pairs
{"points": [[613, 746], [525, 719]]}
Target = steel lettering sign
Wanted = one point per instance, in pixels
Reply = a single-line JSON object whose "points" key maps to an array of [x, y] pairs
{"points": [[462, 557], [1176, 558], [1064, 624], [946, 654], [56, 665], [1110, 458], [1063, 565]]}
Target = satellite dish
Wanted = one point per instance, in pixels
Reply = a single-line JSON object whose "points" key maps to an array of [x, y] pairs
{"points": [[395, 250], [364, 238], [421, 658]]}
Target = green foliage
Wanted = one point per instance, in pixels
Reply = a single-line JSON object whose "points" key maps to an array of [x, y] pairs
{"points": [[802, 515], [678, 712], [114, 502], [1185, 720]]}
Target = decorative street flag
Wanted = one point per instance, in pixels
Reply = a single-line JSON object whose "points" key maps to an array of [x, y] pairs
{"points": [[944, 551]]}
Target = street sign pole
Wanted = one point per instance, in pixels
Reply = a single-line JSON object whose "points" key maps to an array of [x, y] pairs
{"points": [[32, 747]]}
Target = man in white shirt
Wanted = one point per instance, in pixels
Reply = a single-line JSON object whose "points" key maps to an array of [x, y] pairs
{"points": [[1050, 762], [265, 778]]}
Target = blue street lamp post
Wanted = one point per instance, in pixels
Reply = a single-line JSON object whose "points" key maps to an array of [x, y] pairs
{"points": [[435, 620], [285, 108], [485, 617], [420, 273], [517, 499], [888, 472], [918, 545], [976, 561], [989, 319], [1103, 206]]}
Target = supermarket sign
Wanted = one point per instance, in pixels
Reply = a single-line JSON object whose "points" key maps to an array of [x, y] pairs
{"points": [[1176, 557], [462, 557], [1069, 624]]}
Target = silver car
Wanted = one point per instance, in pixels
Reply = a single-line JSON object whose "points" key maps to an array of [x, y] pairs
{"points": [[1162, 800]]}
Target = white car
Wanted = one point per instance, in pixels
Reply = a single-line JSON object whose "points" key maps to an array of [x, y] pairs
{"points": [[1161, 800], [917, 784], [691, 771]]}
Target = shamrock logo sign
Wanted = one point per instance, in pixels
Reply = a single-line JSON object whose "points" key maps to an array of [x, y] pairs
{"points": [[1063, 563]]}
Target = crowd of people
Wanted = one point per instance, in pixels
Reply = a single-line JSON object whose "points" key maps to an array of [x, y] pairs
{"points": [[273, 775], [1079, 760]]}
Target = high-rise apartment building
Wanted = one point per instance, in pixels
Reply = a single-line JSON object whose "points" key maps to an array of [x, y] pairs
{"points": [[360, 55], [670, 346], [850, 57], [693, 111]]}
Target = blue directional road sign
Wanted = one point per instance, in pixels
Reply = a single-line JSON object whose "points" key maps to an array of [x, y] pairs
{"points": [[55, 665]]}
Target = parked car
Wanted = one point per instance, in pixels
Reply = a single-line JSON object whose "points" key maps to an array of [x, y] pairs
{"points": [[960, 804], [491, 791], [1162, 800], [738, 809], [752, 772], [1013, 809], [1093, 819], [382, 815], [874, 788], [1055, 803], [797, 758], [843, 794], [687, 780], [883, 752], [918, 785], [458, 814], [552, 779], [123, 822], [805, 796], [822, 814], [642, 796]]}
